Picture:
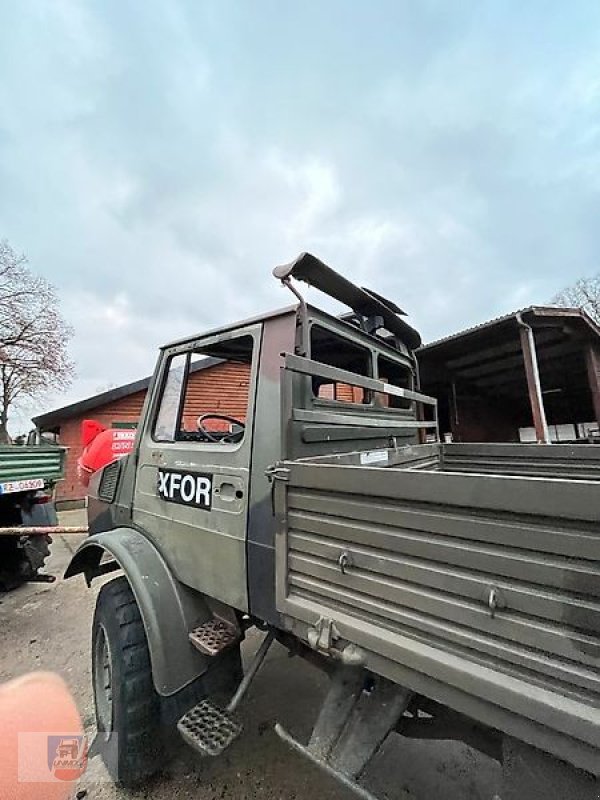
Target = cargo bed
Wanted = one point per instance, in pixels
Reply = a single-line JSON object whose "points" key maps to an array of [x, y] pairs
{"points": [[469, 573]]}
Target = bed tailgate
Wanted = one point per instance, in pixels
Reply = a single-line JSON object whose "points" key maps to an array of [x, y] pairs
{"points": [[480, 591]]}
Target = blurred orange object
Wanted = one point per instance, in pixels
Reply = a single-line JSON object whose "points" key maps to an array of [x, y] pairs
{"points": [[39, 703]]}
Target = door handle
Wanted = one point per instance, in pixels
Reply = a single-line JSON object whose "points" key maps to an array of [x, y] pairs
{"points": [[229, 492]]}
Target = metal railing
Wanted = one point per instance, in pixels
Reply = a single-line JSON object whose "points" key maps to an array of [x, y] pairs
{"points": [[316, 369]]}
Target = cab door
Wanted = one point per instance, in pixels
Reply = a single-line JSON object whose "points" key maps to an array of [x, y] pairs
{"points": [[192, 485]]}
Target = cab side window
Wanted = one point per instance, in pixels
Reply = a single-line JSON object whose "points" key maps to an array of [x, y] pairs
{"points": [[167, 418], [206, 394]]}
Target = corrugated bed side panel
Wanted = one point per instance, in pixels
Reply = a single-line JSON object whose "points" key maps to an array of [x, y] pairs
{"points": [[575, 461], [23, 463], [427, 550]]}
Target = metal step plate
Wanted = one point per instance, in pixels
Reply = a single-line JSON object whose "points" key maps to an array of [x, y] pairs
{"points": [[208, 729], [213, 637]]}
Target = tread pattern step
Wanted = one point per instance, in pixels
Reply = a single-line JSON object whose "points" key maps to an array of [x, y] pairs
{"points": [[209, 729], [213, 637]]}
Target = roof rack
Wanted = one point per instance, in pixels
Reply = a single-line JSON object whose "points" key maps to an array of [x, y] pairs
{"points": [[373, 310]]}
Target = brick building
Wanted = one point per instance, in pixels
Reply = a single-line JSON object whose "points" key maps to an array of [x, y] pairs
{"points": [[214, 386]]}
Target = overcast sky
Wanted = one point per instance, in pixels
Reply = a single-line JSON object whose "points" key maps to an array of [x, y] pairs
{"points": [[157, 159]]}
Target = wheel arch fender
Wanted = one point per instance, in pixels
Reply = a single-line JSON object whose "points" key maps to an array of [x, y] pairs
{"points": [[168, 608]]}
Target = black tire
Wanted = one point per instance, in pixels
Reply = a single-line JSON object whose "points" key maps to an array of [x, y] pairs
{"points": [[125, 699], [36, 550]]}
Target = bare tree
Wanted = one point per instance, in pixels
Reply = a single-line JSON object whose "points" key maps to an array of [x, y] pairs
{"points": [[584, 293], [33, 336]]}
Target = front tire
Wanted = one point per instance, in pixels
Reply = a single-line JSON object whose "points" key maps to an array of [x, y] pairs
{"points": [[127, 705]]}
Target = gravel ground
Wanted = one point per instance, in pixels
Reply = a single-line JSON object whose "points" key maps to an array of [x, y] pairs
{"points": [[47, 626]]}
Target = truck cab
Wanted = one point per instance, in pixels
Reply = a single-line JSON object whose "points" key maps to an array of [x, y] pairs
{"points": [[207, 474]]}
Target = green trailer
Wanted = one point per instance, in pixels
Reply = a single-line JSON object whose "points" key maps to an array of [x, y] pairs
{"points": [[28, 475], [30, 467]]}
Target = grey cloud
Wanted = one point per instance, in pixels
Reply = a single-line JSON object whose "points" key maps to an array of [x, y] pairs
{"points": [[158, 164]]}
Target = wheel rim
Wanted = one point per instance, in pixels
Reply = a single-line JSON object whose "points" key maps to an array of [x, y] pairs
{"points": [[103, 683]]}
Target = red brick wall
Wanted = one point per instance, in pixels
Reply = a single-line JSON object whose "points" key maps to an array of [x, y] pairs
{"points": [[222, 388], [341, 391]]}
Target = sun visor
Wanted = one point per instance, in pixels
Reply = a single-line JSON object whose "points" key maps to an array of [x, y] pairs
{"points": [[314, 272]]}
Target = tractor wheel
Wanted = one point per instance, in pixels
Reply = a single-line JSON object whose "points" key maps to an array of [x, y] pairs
{"points": [[36, 550], [127, 705]]}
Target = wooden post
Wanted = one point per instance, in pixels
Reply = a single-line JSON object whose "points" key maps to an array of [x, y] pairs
{"points": [[536, 399], [592, 357]]}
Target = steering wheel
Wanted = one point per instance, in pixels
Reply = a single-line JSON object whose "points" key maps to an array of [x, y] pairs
{"points": [[210, 435]]}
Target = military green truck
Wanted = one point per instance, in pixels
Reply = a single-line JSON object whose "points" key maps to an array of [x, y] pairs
{"points": [[28, 475], [449, 591]]}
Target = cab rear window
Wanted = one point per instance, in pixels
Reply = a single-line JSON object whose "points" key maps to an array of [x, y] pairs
{"points": [[328, 347]]}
